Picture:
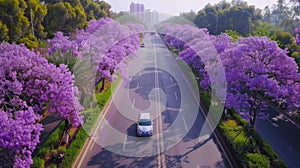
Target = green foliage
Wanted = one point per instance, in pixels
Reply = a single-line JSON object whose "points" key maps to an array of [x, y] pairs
{"points": [[278, 164], [236, 135], [43, 152], [129, 19], [12, 15], [96, 9], [74, 149], [102, 98], [3, 32], [262, 31], [178, 20], [68, 59], [231, 123], [64, 17], [234, 34], [36, 12], [29, 41], [235, 131], [53, 165], [205, 98], [283, 38], [22, 21], [91, 116], [189, 15], [38, 163], [223, 16], [256, 160], [296, 56]]}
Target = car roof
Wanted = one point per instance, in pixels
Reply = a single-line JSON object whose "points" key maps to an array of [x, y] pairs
{"points": [[145, 116]]}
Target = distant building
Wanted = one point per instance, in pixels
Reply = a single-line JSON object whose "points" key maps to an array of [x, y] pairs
{"points": [[147, 16], [138, 10], [151, 18]]}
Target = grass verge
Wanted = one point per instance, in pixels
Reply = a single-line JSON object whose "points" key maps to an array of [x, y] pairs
{"points": [[73, 150]]}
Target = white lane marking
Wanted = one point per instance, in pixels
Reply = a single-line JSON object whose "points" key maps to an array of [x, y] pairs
{"points": [[184, 123], [176, 96], [133, 103], [96, 128], [161, 156], [124, 142], [91, 147], [158, 121], [198, 166], [93, 144]]}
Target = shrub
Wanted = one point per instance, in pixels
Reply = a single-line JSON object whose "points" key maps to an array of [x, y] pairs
{"points": [[53, 165], [265, 148], [278, 164], [29, 41], [102, 98], [231, 123], [256, 160], [38, 162], [43, 151], [205, 98], [74, 149]]}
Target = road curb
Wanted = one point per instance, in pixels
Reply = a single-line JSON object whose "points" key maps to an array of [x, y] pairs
{"points": [[88, 140]]}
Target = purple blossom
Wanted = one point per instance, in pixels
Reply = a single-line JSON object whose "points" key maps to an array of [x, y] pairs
{"points": [[297, 30], [253, 66], [29, 87]]}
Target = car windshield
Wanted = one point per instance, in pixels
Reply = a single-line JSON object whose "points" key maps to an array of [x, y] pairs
{"points": [[144, 122]]}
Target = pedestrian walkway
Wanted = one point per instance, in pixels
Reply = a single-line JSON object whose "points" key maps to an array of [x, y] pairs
{"points": [[50, 123]]}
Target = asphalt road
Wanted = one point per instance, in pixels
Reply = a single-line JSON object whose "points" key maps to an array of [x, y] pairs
{"points": [[159, 87], [282, 135]]}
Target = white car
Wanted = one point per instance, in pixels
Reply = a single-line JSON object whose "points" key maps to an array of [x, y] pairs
{"points": [[144, 125]]}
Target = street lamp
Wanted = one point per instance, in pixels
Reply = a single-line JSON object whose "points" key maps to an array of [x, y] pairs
{"points": [[217, 21], [250, 15]]}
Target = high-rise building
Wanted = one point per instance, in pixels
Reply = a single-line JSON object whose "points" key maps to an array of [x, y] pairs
{"points": [[138, 10], [149, 17]]}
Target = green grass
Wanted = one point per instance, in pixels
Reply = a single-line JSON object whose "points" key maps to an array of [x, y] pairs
{"points": [[48, 146], [92, 116]]}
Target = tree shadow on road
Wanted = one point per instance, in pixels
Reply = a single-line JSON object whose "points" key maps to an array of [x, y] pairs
{"points": [[175, 161], [108, 159]]}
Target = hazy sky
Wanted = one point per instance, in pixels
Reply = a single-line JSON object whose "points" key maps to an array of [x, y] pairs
{"points": [[174, 7]]}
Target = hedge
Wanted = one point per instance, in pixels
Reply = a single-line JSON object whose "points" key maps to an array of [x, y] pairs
{"points": [[236, 132], [256, 160]]}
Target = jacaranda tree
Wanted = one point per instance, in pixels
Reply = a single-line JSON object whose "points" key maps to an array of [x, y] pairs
{"points": [[256, 68], [30, 86], [108, 54]]}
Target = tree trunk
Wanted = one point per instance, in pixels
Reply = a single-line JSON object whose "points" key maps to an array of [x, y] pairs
{"points": [[103, 84], [253, 115], [66, 130]]}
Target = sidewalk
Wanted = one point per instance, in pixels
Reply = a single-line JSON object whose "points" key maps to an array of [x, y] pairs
{"points": [[50, 123]]}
